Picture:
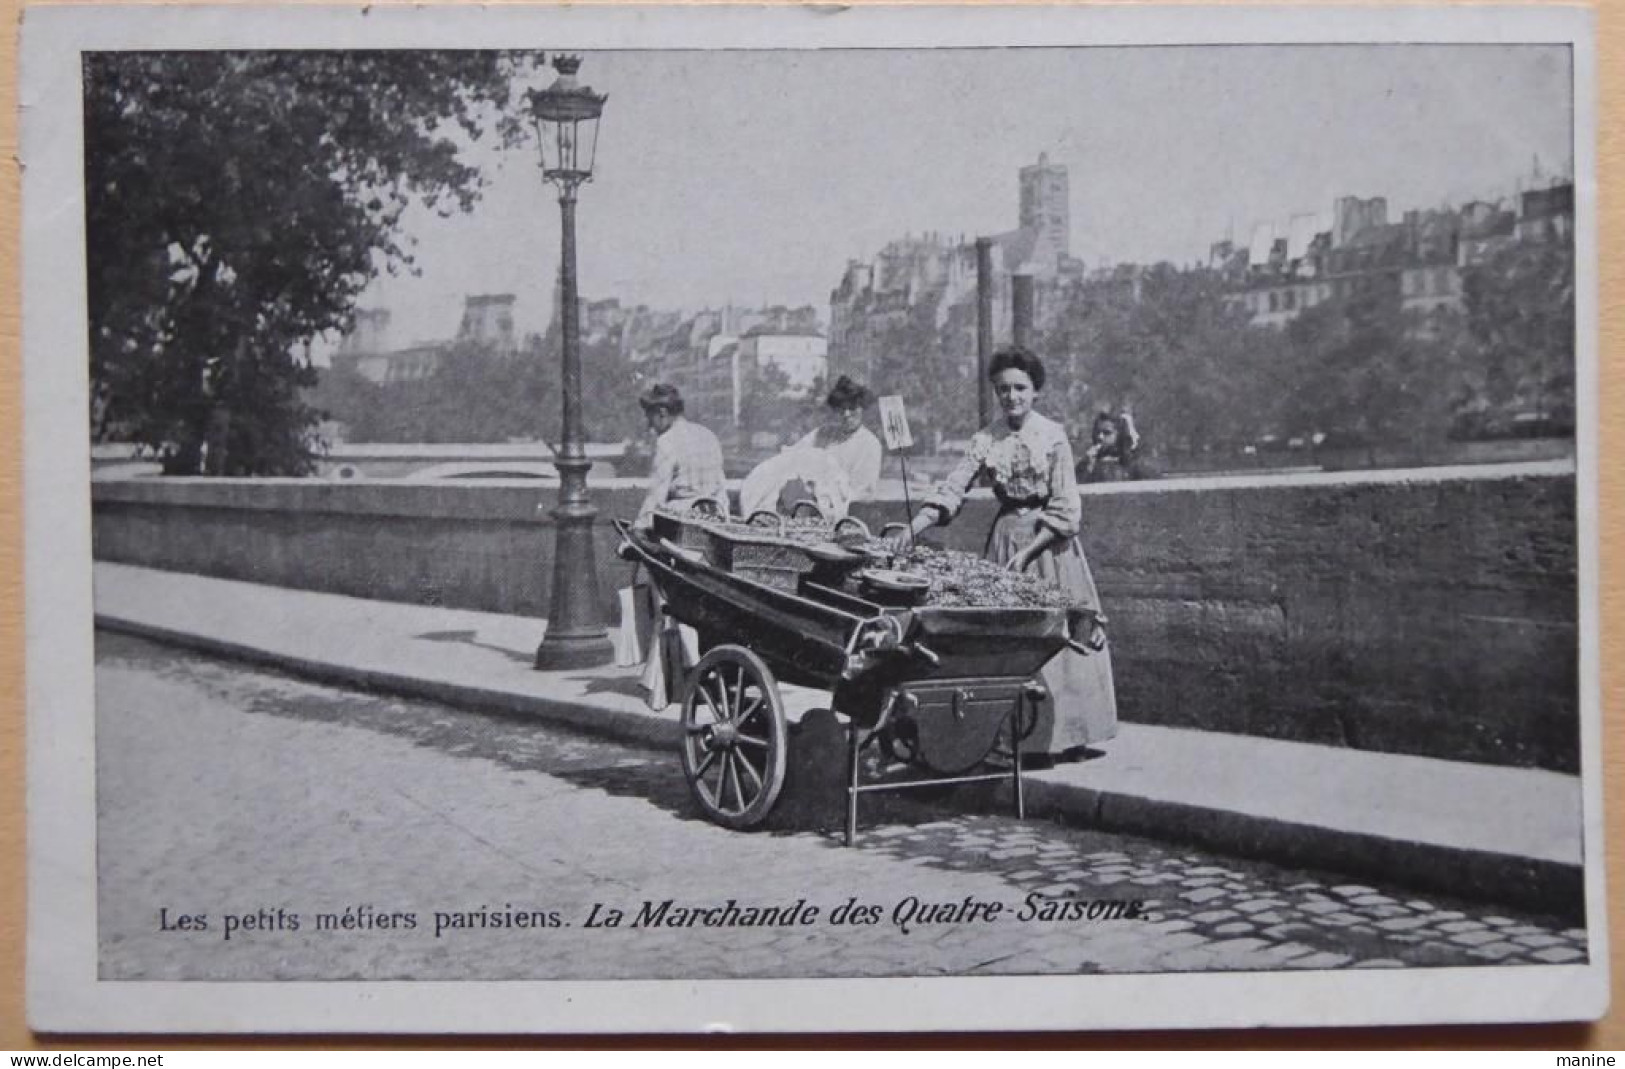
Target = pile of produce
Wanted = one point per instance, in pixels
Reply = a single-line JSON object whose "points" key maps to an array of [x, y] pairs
{"points": [[964, 579], [791, 530], [957, 579]]}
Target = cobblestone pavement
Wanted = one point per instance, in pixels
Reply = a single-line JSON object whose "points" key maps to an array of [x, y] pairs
{"points": [[255, 802]]}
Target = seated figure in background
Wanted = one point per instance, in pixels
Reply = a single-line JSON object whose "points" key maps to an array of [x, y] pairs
{"points": [[1113, 454], [832, 466], [847, 440]]}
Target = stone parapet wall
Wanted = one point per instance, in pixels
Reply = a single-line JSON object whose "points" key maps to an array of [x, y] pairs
{"points": [[1430, 612], [468, 545]]}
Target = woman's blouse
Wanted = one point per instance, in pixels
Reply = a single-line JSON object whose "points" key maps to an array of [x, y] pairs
{"points": [[1030, 467], [687, 467], [857, 453]]}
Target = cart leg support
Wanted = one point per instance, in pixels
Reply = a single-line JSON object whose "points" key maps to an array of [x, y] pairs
{"points": [[1015, 763], [854, 746]]}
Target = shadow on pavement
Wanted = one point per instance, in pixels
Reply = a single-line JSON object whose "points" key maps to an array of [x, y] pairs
{"points": [[467, 639], [624, 685]]}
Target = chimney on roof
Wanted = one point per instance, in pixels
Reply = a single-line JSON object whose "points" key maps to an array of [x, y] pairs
{"points": [[488, 320], [1352, 215], [1021, 309]]}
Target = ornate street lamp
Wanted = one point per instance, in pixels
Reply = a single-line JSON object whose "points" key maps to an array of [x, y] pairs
{"points": [[566, 117]]}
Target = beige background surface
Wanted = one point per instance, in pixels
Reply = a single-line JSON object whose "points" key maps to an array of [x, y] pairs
{"points": [[1607, 1034]]}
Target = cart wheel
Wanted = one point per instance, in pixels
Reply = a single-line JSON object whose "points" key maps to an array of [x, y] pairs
{"points": [[734, 737]]}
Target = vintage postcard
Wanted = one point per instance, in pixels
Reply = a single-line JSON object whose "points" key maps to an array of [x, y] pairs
{"points": [[651, 519]]}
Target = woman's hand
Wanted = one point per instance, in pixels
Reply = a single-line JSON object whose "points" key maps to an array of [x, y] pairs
{"points": [[1042, 540], [901, 541]]}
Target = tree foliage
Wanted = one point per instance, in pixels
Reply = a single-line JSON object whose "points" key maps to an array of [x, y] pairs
{"points": [[1520, 319], [1200, 377], [767, 401], [1368, 372], [920, 363], [1169, 348], [478, 394], [237, 205]]}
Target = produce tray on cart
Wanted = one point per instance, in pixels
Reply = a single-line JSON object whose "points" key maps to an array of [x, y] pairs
{"points": [[763, 554]]}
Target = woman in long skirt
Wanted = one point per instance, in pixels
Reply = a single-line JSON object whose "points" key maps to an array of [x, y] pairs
{"points": [[1027, 459]]}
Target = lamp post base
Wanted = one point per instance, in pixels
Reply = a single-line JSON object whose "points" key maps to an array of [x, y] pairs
{"points": [[558, 652], [576, 636]]}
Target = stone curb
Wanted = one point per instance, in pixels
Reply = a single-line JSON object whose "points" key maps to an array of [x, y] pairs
{"points": [[1528, 883], [590, 719]]}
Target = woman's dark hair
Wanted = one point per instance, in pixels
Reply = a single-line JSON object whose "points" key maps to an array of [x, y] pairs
{"points": [[1018, 359], [1128, 439], [662, 396], [848, 394]]}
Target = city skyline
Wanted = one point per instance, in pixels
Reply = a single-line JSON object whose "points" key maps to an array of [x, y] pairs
{"points": [[762, 195]]}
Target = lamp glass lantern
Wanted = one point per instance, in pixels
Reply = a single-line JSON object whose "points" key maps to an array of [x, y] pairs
{"points": [[566, 116]]}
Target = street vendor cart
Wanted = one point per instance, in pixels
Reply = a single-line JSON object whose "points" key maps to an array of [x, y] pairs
{"points": [[946, 691]]}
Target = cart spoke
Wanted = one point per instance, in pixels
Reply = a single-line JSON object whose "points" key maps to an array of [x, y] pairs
{"points": [[755, 776], [722, 781], [730, 778], [755, 707], [733, 780], [739, 694], [751, 740], [705, 692], [726, 713], [699, 770]]}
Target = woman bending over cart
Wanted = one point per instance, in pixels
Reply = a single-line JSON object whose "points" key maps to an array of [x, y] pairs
{"points": [[688, 458], [1027, 459]]}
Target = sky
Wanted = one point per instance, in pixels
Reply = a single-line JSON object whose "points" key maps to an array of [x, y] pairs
{"points": [[753, 177]]}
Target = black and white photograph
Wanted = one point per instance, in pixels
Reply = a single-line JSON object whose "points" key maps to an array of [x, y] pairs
{"points": [[810, 519]]}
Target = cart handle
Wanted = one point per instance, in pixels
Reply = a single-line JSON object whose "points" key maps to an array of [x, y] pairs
{"points": [[626, 550], [926, 654], [693, 556], [778, 521], [1097, 635], [705, 506], [862, 527], [806, 503]]}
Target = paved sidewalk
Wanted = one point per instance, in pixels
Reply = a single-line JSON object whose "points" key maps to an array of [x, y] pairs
{"points": [[1504, 834]]}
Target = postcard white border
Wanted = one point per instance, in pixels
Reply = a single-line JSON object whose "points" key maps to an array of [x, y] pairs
{"points": [[64, 994]]}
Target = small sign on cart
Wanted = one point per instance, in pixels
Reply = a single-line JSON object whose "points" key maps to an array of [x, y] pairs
{"points": [[894, 423]]}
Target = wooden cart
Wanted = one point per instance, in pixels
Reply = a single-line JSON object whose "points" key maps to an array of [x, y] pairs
{"points": [[947, 692]]}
